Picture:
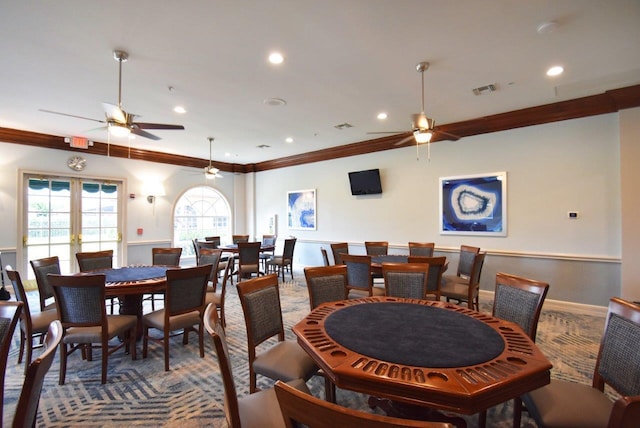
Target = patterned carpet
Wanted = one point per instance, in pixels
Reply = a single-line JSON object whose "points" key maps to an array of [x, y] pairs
{"points": [[141, 393]]}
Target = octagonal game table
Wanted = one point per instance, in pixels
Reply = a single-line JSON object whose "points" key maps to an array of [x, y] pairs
{"points": [[432, 354]]}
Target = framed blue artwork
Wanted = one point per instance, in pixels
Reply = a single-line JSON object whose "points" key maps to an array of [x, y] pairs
{"points": [[301, 209], [474, 204]]}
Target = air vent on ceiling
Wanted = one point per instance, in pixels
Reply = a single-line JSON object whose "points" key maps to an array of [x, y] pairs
{"points": [[486, 88], [274, 102], [263, 146], [343, 126]]}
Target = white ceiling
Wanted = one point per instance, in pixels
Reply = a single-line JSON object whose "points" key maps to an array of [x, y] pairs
{"points": [[345, 61]]}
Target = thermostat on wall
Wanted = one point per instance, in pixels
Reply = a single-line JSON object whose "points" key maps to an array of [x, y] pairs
{"points": [[573, 215]]}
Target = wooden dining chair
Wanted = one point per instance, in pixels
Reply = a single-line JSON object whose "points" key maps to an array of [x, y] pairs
{"points": [[265, 255], [216, 290], [424, 249], [184, 299], [299, 408], [94, 260], [465, 285], [285, 360], [27, 407], [337, 249], [9, 316], [563, 403], [407, 280], [279, 264], [32, 325], [236, 239], [42, 268], [326, 284], [437, 266], [519, 300], [256, 410], [248, 260], [80, 300], [325, 256], [359, 277], [376, 248], [163, 256]]}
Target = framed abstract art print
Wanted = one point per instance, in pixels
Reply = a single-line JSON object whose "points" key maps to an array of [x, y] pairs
{"points": [[474, 204], [301, 209]]}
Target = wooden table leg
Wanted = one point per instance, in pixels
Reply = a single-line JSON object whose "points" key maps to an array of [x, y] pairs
{"points": [[131, 304]]}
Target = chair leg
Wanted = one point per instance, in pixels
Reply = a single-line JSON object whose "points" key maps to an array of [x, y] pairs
{"points": [[517, 412], [482, 419], [145, 341], [165, 344], [63, 363], [105, 359], [201, 338]]}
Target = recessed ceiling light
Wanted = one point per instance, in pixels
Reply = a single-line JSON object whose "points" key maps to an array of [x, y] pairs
{"points": [[274, 102], [382, 116], [179, 109], [288, 140], [227, 154], [556, 70], [547, 27], [276, 58]]}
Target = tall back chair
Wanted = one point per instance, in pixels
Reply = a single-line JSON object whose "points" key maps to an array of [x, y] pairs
{"points": [[215, 240], [31, 324], [216, 292], [27, 407], [300, 408], [424, 249], [256, 410], [183, 308], [567, 404], [42, 268], [326, 284], [405, 279], [267, 241], [359, 278], [236, 239], [519, 300], [212, 245], [83, 314], [166, 256], [285, 360], [465, 287], [437, 267], [325, 256], [9, 316], [279, 264], [88, 261], [248, 260], [337, 249], [379, 248]]}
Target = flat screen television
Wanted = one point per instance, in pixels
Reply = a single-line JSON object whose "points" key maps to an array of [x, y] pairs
{"points": [[365, 182]]}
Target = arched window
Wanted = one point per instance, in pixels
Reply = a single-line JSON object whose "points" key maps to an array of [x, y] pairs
{"points": [[200, 212]]}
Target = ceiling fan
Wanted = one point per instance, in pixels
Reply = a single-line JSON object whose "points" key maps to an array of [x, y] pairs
{"points": [[211, 172], [119, 122], [422, 127]]}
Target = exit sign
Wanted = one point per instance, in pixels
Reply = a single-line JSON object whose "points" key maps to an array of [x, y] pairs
{"points": [[79, 143]]}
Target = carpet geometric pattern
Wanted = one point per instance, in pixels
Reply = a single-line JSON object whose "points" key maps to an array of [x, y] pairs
{"points": [[140, 393]]}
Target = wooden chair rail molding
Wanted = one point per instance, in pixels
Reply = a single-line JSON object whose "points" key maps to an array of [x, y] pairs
{"points": [[608, 102]]}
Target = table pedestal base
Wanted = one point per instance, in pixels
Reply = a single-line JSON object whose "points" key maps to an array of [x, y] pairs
{"points": [[415, 412], [131, 304]]}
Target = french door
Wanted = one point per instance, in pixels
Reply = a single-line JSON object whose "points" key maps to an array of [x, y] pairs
{"points": [[64, 215]]}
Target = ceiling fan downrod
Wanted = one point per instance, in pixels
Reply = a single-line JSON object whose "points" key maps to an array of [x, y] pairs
{"points": [[120, 56]]}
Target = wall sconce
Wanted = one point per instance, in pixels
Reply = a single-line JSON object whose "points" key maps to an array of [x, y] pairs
{"points": [[153, 189]]}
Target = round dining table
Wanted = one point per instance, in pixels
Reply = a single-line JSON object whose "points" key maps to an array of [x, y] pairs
{"points": [[130, 283], [436, 355]]}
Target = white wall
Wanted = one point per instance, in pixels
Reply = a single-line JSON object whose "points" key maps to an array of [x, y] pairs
{"points": [[552, 169], [157, 222]]}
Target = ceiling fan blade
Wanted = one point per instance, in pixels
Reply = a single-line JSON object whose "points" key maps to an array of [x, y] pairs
{"points": [[114, 112], [72, 115], [143, 125], [404, 140], [387, 132], [448, 135], [144, 134]]}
